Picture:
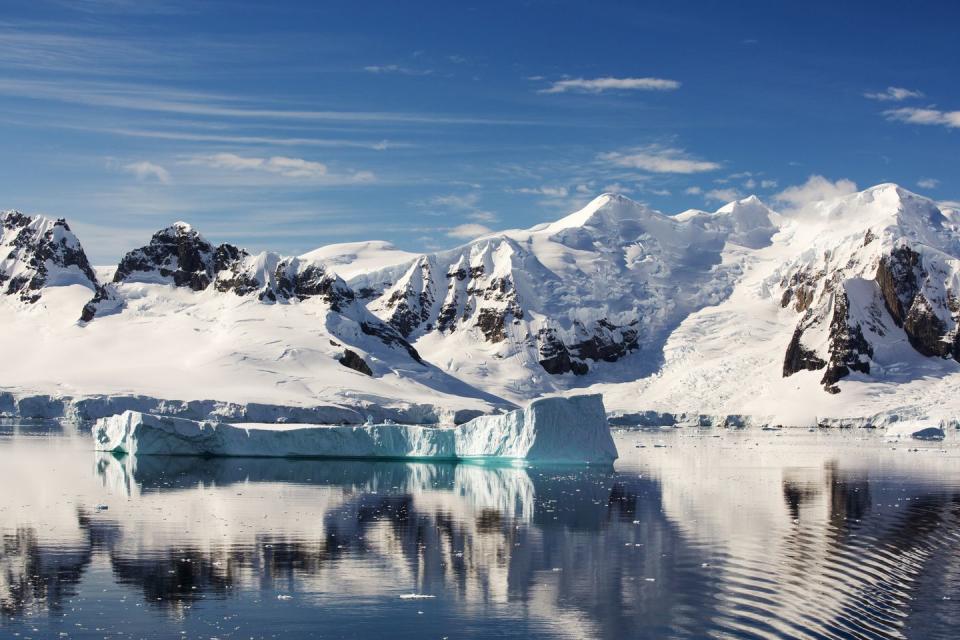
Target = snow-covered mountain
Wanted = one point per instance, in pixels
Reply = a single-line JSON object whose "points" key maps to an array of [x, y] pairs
{"points": [[847, 307], [36, 252], [593, 295]]}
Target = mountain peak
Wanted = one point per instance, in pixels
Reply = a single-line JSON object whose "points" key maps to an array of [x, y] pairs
{"points": [[36, 252], [604, 209]]}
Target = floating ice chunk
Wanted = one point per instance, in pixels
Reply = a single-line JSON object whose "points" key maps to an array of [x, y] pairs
{"points": [[561, 430], [140, 433], [556, 430]]}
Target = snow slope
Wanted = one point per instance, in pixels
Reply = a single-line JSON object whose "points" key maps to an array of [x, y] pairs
{"points": [[349, 259]]}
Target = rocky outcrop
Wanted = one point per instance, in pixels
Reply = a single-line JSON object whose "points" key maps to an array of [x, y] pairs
{"points": [[410, 303], [177, 254], [36, 252], [800, 358], [849, 349], [555, 356], [902, 279], [352, 360]]}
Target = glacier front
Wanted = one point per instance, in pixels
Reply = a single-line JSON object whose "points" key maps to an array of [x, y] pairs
{"points": [[552, 430]]}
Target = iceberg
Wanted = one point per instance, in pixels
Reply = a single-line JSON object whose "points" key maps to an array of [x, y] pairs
{"points": [[554, 430]]}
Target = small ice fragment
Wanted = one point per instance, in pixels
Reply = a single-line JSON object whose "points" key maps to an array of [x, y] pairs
{"points": [[284, 596], [416, 596]]}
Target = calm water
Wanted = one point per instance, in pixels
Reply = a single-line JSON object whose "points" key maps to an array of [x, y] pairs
{"points": [[692, 534]]}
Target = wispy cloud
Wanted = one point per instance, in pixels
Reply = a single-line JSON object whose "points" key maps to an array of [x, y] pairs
{"points": [[129, 6], [722, 195], [693, 191], [659, 159], [911, 115], [289, 167], [544, 190], [146, 170], [379, 145], [298, 169], [397, 69], [166, 100], [893, 94], [928, 183], [598, 85], [466, 205], [468, 231]]}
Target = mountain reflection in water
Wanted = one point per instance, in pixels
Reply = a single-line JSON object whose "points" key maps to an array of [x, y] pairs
{"points": [[746, 535]]}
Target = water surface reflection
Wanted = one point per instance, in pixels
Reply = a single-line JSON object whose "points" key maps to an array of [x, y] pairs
{"points": [[747, 535]]}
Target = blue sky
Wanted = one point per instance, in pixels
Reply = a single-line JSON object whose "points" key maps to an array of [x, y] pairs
{"points": [[290, 125]]}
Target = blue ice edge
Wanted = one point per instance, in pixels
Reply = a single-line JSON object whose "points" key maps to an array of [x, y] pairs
{"points": [[555, 430]]}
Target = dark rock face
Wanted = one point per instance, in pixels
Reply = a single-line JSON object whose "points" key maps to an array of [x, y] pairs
{"points": [[799, 289], [41, 248], [607, 342], [927, 332], [412, 305], [352, 360], [799, 358], [102, 295], [390, 337], [555, 357], [177, 252], [849, 349], [901, 276]]}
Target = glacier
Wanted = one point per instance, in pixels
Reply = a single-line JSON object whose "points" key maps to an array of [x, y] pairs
{"points": [[549, 430]]}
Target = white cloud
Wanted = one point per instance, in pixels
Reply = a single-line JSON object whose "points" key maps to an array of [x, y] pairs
{"points": [[693, 191], [545, 190], [454, 201], [468, 231], [928, 183], [616, 187], [768, 184], [282, 165], [911, 115], [893, 94], [597, 85], [145, 170], [815, 189], [722, 195], [659, 159], [396, 68], [483, 216], [467, 202], [750, 183]]}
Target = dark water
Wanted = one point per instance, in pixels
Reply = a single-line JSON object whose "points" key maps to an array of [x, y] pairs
{"points": [[753, 535]]}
